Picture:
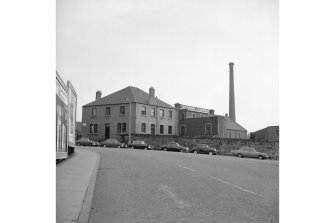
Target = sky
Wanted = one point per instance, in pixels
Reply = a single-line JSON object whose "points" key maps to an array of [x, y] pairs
{"points": [[182, 48]]}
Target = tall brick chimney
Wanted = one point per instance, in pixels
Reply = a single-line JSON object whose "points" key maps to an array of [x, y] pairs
{"points": [[98, 95], [231, 92]]}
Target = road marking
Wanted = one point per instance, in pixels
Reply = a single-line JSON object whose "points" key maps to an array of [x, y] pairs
{"points": [[186, 167], [178, 202], [234, 185]]}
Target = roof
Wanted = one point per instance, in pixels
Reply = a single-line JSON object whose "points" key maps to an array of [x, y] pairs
{"points": [[129, 94], [231, 124], [266, 128]]}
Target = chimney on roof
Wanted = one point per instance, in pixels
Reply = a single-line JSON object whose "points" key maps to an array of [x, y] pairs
{"points": [[98, 95], [211, 112], [151, 92], [231, 92]]}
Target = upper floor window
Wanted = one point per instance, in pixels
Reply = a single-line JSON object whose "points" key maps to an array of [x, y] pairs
{"points": [[161, 113], [94, 112], [143, 110], [193, 115], [153, 112], [108, 111], [183, 116], [170, 114], [122, 110]]}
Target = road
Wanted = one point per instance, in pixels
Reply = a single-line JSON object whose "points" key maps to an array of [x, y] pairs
{"points": [[157, 186]]}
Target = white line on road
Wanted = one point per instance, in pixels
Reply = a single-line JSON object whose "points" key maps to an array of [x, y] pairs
{"points": [[178, 202], [234, 185], [186, 167]]}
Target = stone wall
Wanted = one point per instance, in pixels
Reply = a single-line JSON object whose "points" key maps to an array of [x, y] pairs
{"points": [[224, 146]]}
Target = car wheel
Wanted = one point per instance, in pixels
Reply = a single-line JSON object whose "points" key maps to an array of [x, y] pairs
{"points": [[145, 148], [164, 149], [260, 157], [240, 155], [195, 152], [118, 146], [78, 144], [210, 153], [132, 147], [89, 144]]}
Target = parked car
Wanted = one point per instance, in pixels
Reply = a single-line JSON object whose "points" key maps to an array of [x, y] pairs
{"points": [[246, 151], [139, 145], [86, 142], [173, 146], [112, 143], [204, 148]]}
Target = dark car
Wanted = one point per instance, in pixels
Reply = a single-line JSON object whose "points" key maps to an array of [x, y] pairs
{"points": [[86, 142], [173, 146], [112, 143], [139, 145], [246, 151], [204, 148]]}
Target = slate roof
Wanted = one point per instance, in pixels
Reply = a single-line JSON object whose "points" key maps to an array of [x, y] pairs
{"points": [[133, 94], [232, 125]]}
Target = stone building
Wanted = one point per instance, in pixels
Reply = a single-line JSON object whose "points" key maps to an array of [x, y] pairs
{"points": [[195, 121], [129, 110], [270, 133]]}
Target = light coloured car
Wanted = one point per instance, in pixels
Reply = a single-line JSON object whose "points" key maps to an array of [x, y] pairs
{"points": [[250, 152]]}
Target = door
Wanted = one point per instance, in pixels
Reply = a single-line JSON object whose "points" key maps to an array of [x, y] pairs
{"points": [[107, 130], [182, 130]]}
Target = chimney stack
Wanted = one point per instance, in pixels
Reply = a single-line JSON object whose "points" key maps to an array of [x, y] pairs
{"points": [[152, 92], [231, 92], [98, 95]]}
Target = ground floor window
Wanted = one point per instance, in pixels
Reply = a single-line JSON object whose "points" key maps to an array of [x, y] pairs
{"points": [[170, 130], [121, 128], [161, 129], [93, 128], [143, 127], [208, 129]]}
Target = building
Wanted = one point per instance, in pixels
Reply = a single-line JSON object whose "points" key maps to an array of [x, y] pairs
{"points": [[128, 111], [270, 133], [78, 130], [195, 121]]}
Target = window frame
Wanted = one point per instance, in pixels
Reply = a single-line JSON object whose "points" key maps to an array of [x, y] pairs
{"points": [[106, 109], [145, 127], [161, 129], [94, 114], [124, 110], [95, 128], [144, 112]]}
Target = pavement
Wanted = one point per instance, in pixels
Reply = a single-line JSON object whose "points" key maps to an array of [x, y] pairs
{"points": [[75, 181], [156, 186]]}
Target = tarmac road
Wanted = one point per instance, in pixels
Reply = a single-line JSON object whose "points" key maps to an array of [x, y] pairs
{"points": [[156, 186]]}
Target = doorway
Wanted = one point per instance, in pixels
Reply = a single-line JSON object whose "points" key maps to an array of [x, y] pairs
{"points": [[107, 130], [152, 129]]}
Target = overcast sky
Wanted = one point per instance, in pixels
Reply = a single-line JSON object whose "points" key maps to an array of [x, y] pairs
{"points": [[180, 47]]}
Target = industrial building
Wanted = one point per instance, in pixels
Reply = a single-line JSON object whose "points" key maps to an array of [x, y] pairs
{"points": [[126, 112], [133, 111], [268, 134]]}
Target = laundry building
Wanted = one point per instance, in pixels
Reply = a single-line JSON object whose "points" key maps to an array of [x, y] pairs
{"points": [[195, 121], [128, 111]]}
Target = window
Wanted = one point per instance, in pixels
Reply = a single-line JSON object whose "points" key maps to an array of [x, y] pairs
{"points": [[161, 113], [108, 111], [93, 128], [208, 129], [94, 112], [183, 116], [161, 129], [143, 110], [121, 128], [193, 115], [170, 130], [170, 114], [122, 110], [143, 127], [153, 112]]}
